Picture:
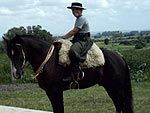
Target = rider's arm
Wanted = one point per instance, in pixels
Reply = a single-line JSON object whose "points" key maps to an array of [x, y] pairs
{"points": [[71, 33]]}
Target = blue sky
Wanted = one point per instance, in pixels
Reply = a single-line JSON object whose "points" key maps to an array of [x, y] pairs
{"points": [[52, 15]]}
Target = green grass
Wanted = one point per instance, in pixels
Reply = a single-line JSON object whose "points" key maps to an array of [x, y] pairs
{"points": [[115, 47], [91, 100]]}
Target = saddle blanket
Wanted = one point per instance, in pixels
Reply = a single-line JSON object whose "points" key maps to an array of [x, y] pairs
{"points": [[94, 56]]}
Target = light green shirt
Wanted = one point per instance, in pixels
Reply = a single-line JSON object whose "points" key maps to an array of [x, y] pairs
{"points": [[82, 24]]}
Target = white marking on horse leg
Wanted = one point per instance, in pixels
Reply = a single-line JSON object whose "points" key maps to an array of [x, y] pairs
{"points": [[13, 71]]}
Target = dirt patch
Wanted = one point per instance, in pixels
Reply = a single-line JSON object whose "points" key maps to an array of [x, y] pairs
{"points": [[17, 87]]}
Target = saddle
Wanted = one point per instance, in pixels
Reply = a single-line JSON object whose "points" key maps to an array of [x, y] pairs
{"points": [[94, 56]]}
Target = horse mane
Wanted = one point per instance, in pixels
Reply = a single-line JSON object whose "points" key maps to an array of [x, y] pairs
{"points": [[34, 38]]}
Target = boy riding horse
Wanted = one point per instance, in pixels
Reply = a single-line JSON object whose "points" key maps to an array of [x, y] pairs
{"points": [[81, 42]]}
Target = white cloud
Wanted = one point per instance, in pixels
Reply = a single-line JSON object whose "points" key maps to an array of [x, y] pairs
{"points": [[5, 11], [104, 3], [137, 5], [113, 12], [55, 17]]}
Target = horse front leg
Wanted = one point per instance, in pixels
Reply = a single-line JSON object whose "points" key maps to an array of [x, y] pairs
{"points": [[55, 95]]}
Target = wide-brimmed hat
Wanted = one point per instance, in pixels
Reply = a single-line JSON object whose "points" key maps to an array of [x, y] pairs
{"points": [[76, 5]]}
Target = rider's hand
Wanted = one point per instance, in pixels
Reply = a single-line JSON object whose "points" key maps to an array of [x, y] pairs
{"points": [[58, 38]]}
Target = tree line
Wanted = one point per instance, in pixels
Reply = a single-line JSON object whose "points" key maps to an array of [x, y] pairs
{"points": [[116, 34], [35, 31]]}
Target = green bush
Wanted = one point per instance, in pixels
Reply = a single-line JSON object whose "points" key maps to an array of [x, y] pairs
{"points": [[142, 74], [139, 63], [5, 73], [139, 46], [106, 41], [5, 69]]}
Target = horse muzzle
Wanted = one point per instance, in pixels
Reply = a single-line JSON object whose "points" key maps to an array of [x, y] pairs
{"points": [[17, 73]]}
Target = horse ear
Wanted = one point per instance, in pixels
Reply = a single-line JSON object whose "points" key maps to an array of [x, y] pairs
{"points": [[5, 39]]}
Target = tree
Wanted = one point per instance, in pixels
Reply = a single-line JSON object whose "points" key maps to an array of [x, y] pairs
{"points": [[112, 34], [36, 31], [117, 34], [98, 35], [106, 41], [140, 45], [147, 38], [13, 31], [29, 30], [2, 47]]}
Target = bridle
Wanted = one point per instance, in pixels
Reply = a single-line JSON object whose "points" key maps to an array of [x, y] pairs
{"points": [[23, 54], [40, 69]]}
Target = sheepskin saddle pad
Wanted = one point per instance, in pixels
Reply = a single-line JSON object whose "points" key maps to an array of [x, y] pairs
{"points": [[94, 56]]}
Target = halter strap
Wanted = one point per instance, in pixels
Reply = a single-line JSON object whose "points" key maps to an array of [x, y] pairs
{"points": [[40, 69], [24, 57]]}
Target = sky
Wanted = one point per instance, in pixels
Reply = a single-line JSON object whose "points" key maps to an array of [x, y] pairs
{"points": [[53, 15]]}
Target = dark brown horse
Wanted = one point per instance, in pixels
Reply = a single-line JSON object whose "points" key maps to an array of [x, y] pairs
{"points": [[113, 76]]}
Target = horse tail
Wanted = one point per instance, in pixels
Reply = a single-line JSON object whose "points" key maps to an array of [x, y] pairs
{"points": [[128, 98]]}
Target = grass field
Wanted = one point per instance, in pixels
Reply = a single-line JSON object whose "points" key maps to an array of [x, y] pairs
{"points": [[91, 100]]}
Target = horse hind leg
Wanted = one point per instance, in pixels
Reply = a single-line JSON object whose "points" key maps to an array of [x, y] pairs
{"points": [[121, 98], [117, 96]]}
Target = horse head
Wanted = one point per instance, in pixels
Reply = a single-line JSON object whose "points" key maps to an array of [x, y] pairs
{"points": [[16, 54]]}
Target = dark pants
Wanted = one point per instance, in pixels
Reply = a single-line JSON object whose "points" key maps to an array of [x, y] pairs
{"points": [[75, 56], [78, 52]]}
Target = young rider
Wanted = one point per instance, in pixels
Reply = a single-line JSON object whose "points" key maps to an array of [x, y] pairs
{"points": [[81, 40]]}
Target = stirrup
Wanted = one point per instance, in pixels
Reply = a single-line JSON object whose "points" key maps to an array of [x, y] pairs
{"points": [[82, 75], [74, 84]]}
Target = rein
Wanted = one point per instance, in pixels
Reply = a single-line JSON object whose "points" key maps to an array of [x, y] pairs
{"points": [[40, 69]]}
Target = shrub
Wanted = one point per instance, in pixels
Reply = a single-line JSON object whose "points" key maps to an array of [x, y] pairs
{"points": [[142, 74], [5, 73], [106, 41], [5, 69], [136, 59], [140, 45], [125, 42]]}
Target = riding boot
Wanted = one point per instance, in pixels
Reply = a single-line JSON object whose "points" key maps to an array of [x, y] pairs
{"points": [[76, 72], [74, 67], [67, 76]]}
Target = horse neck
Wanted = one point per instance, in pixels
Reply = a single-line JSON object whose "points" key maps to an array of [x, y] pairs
{"points": [[36, 51]]}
